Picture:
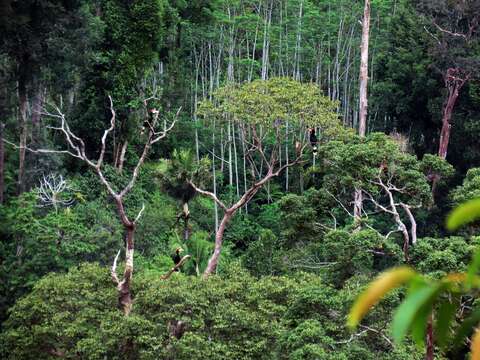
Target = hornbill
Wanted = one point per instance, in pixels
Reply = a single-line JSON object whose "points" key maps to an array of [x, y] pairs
{"points": [[313, 140], [176, 257]]}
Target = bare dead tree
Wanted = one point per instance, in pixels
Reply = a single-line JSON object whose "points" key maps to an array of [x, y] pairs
{"points": [[392, 208], [455, 79], [51, 189], [77, 149], [455, 34], [271, 168]]}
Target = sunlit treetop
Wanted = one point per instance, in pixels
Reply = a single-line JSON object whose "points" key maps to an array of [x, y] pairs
{"points": [[275, 103]]}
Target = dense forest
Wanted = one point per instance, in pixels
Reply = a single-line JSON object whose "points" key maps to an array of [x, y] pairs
{"points": [[222, 179]]}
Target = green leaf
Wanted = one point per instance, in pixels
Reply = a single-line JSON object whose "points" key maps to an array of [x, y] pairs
{"points": [[473, 268], [466, 328], [464, 214], [411, 309], [445, 315], [419, 325]]}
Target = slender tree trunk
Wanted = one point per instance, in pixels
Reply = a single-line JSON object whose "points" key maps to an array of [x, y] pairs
{"points": [[454, 84], [236, 160], [296, 57], [430, 340], [286, 156], [214, 177], [413, 223], [124, 294], [195, 104], [2, 163], [230, 158], [121, 159], [22, 99], [213, 261], [266, 40], [36, 113], [186, 218], [362, 121]]}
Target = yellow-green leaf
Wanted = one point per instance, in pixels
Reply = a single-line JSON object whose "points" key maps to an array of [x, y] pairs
{"points": [[475, 346], [382, 285], [466, 327], [464, 214]]}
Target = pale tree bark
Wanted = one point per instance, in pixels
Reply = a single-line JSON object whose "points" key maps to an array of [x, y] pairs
{"points": [[266, 39], [77, 149], [22, 122], [37, 103], [121, 159], [195, 105], [185, 216], [392, 208], [363, 107], [296, 57], [2, 163]]}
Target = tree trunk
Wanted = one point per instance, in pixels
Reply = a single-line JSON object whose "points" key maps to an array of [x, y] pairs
{"points": [[36, 113], [186, 218], [121, 159], [357, 207], [125, 301], [213, 261], [430, 340], [2, 163], [124, 295], [22, 100], [453, 84], [413, 227], [362, 121]]}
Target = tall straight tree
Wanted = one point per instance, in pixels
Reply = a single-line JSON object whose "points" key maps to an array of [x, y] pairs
{"points": [[455, 40], [362, 120], [27, 31], [2, 163]]}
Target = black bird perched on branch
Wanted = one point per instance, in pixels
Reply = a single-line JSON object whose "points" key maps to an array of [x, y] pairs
{"points": [[176, 257], [313, 140]]}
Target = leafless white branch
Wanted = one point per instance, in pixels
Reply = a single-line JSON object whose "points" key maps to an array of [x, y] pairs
{"points": [[113, 271], [51, 189]]}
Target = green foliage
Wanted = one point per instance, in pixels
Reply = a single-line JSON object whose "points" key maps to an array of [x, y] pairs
{"points": [[273, 101], [442, 256], [175, 173], [130, 39], [234, 316], [469, 190], [427, 298], [264, 256], [359, 163]]}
